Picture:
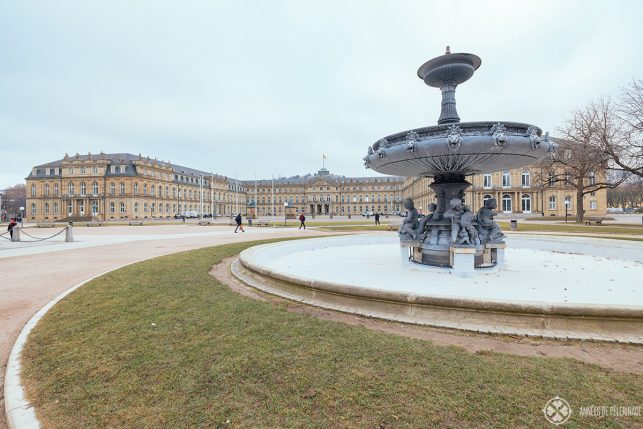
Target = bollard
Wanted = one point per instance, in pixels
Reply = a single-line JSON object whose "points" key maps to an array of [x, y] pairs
{"points": [[16, 234], [69, 233], [249, 222], [514, 225]]}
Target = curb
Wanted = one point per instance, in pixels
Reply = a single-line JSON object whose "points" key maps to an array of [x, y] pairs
{"points": [[19, 411]]}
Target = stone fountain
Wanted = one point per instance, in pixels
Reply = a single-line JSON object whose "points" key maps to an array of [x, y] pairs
{"points": [[451, 235]]}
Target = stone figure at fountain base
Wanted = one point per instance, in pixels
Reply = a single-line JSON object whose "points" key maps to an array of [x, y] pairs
{"points": [[488, 229]]}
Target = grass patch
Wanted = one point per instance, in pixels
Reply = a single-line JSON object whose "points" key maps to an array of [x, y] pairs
{"points": [[163, 344]]}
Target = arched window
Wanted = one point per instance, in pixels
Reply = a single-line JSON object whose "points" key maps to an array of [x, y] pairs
{"points": [[55, 208], [526, 179], [552, 202], [122, 188], [135, 207], [112, 189], [46, 189], [506, 203], [95, 188], [70, 189], [33, 190], [145, 189], [135, 188], [33, 208], [111, 207], [56, 189], [83, 188], [526, 203], [47, 208], [122, 208], [506, 180]]}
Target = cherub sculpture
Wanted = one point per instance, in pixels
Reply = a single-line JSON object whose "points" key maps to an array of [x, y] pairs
{"points": [[455, 212], [409, 228], [468, 233], [488, 229]]}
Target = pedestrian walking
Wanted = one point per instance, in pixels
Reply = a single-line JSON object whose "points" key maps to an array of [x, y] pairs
{"points": [[302, 219], [377, 218], [11, 225], [237, 219]]}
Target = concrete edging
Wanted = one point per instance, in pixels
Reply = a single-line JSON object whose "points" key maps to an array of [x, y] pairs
{"points": [[19, 411]]}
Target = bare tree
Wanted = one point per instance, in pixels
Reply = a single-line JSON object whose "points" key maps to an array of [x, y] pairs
{"points": [[14, 198], [619, 128], [580, 161]]}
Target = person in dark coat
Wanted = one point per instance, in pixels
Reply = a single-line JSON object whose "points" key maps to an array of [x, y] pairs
{"points": [[377, 218], [237, 219], [11, 225], [302, 219]]}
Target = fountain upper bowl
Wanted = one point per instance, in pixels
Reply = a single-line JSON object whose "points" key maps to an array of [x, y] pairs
{"points": [[462, 148]]}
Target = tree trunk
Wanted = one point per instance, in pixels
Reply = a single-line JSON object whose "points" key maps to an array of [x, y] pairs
{"points": [[580, 210]]}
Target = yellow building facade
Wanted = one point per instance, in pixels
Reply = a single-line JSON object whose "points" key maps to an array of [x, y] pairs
{"points": [[526, 190], [126, 186]]}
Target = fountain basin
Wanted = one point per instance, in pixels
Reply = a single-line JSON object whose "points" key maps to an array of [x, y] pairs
{"points": [[550, 287], [460, 149]]}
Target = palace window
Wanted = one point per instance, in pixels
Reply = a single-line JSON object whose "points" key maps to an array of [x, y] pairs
{"points": [[487, 181], [70, 189], [152, 190], [95, 170], [144, 207], [551, 180], [55, 208], [82, 170], [592, 178], [33, 190], [112, 188], [506, 203], [33, 208], [485, 198], [135, 188], [506, 179], [144, 188], [94, 208], [568, 202], [526, 203], [46, 208], [111, 208], [56, 189], [525, 179], [122, 208], [47, 190], [552, 202], [135, 207], [83, 189], [152, 207], [82, 207], [113, 170], [123, 168], [70, 208], [592, 205], [95, 188], [122, 188]]}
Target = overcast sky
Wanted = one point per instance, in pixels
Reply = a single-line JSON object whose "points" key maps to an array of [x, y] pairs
{"points": [[263, 88]]}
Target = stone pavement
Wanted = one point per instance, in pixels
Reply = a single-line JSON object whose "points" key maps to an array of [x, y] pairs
{"points": [[32, 274]]}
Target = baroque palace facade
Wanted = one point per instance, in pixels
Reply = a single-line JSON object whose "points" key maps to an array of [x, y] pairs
{"points": [[126, 186], [526, 190]]}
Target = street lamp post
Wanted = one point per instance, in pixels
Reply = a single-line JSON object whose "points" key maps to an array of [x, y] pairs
{"points": [[285, 214], [566, 208], [22, 216]]}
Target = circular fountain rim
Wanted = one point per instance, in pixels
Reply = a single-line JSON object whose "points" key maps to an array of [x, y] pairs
{"points": [[612, 322]]}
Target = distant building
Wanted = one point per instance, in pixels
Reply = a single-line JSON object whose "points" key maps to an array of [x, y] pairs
{"points": [[524, 190]]}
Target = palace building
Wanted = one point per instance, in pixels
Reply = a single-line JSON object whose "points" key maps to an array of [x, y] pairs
{"points": [[525, 190], [126, 186]]}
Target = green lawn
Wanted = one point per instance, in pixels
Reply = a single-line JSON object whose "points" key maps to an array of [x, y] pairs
{"points": [[575, 228], [163, 344]]}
